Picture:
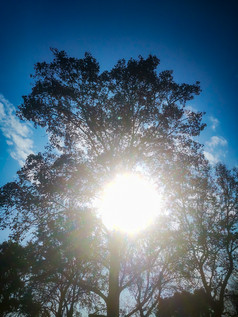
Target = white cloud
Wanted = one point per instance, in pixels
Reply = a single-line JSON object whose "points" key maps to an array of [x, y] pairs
{"points": [[2, 112], [16, 133], [211, 157], [215, 141], [214, 149], [215, 122]]}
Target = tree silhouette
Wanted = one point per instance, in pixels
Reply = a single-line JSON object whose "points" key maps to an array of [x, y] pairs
{"points": [[185, 304], [232, 298], [16, 294], [101, 124], [207, 215]]}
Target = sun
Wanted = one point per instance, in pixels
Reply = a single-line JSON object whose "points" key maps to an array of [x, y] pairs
{"points": [[129, 203]]}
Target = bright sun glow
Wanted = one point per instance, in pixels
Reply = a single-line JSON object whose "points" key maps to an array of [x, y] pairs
{"points": [[129, 203]]}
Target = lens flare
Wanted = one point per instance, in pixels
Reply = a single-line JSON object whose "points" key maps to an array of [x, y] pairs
{"points": [[129, 203]]}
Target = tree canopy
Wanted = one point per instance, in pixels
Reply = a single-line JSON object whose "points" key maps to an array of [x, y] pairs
{"points": [[129, 119]]}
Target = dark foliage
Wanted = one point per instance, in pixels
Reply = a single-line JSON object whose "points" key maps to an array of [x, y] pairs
{"points": [[185, 304], [101, 124], [15, 292]]}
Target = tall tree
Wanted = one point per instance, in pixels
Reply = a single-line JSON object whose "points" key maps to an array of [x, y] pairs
{"points": [[100, 124], [207, 238]]}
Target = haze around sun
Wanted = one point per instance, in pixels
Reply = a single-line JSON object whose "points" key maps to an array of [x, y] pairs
{"points": [[129, 203]]}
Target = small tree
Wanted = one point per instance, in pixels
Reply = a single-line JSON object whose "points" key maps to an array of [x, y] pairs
{"points": [[185, 304], [16, 294]]}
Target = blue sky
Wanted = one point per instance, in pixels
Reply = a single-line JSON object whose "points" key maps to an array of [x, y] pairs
{"points": [[197, 39]]}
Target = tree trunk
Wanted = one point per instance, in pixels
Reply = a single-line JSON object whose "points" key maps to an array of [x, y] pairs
{"points": [[218, 310], [114, 292]]}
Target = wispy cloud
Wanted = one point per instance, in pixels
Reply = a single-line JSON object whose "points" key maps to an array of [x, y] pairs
{"points": [[215, 122], [191, 108], [214, 149], [16, 133], [215, 141], [211, 157]]}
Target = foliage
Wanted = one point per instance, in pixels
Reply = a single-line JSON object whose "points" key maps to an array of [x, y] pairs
{"points": [[127, 119], [185, 304], [15, 292], [207, 215]]}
